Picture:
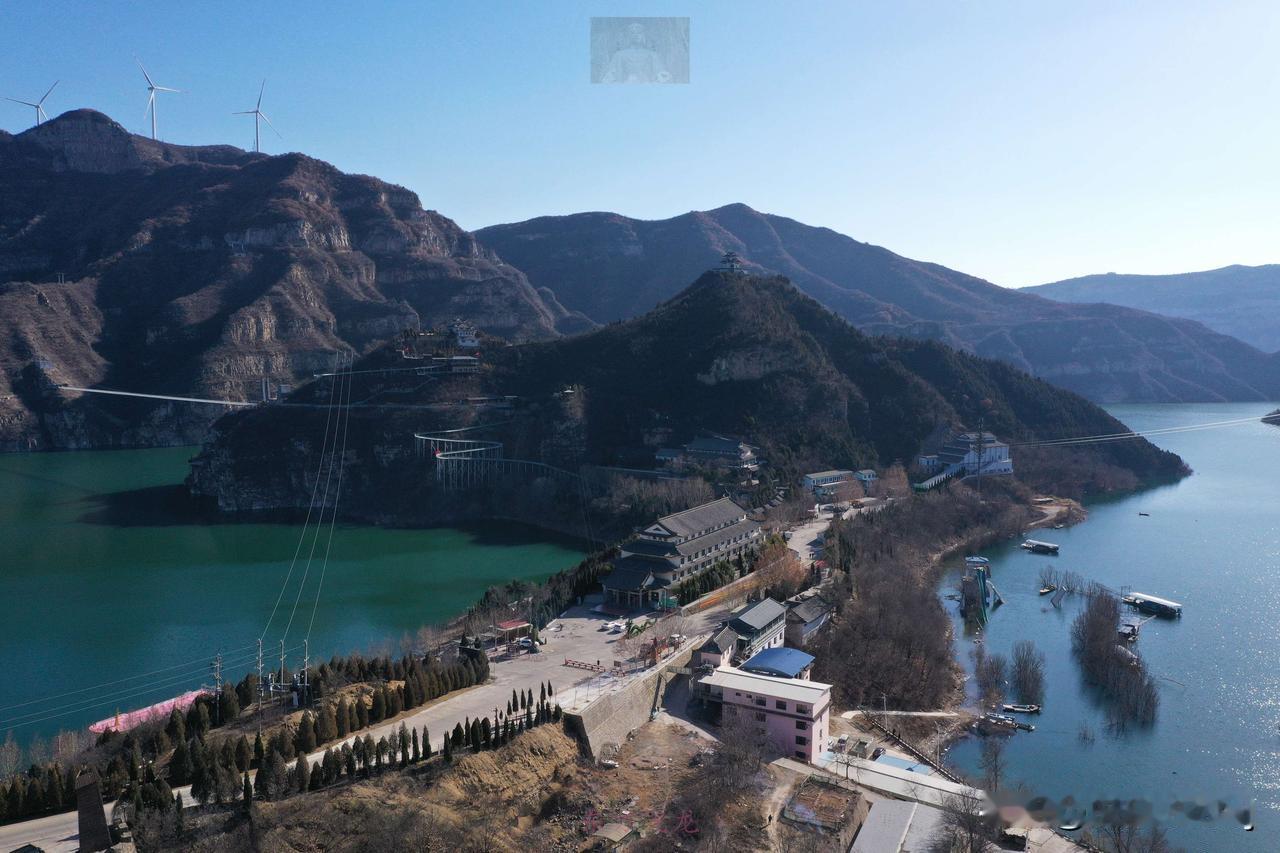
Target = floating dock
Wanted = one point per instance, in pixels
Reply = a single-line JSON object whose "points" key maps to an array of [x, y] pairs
{"points": [[1035, 546], [1153, 604]]}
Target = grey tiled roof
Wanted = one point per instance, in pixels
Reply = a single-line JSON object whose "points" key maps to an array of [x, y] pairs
{"points": [[810, 609], [693, 521], [722, 641], [718, 537], [629, 578], [754, 617]]}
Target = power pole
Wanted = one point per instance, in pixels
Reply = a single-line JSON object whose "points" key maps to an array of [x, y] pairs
{"points": [[260, 684], [306, 665], [217, 687], [282, 663]]}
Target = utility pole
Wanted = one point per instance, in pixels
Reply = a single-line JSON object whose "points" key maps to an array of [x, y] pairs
{"points": [[217, 687], [282, 663], [306, 666], [260, 684]]}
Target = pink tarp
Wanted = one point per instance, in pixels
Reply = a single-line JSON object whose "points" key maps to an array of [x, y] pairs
{"points": [[124, 722]]}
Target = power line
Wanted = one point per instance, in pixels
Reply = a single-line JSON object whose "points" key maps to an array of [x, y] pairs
{"points": [[1132, 434], [337, 496], [302, 535], [202, 661]]}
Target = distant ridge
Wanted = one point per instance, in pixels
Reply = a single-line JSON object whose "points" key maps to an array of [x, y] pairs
{"points": [[610, 266], [1240, 301]]}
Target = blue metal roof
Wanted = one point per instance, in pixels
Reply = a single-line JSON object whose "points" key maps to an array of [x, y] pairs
{"points": [[779, 661]]}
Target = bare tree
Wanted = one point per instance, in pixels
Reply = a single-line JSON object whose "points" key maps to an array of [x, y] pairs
{"points": [[1028, 672], [993, 761], [968, 826], [10, 756], [1122, 833], [743, 748]]}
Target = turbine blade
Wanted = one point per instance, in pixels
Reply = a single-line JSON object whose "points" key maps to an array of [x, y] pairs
{"points": [[24, 103], [165, 89], [51, 88], [244, 112], [269, 124], [144, 72], [260, 91], [44, 116], [151, 103]]}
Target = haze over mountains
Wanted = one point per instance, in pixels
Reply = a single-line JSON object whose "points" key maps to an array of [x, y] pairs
{"points": [[140, 265], [609, 266], [1240, 301]]}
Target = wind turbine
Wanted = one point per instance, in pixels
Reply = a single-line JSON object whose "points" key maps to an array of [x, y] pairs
{"points": [[152, 88], [41, 115], [257, 114]]}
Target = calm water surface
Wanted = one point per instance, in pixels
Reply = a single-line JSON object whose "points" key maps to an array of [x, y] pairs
{"points": [[102, 577], [1212, 542]]}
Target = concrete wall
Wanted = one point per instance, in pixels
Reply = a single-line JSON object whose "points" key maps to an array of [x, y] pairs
{"points": [[609, 719]]}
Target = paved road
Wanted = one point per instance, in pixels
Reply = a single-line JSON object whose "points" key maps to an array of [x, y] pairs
{"points": [[574, 635]]}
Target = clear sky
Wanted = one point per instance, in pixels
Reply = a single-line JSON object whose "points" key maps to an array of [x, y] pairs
{"points": [[1019, 141]]}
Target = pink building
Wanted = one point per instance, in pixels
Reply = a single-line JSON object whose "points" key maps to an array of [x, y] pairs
{"points": [[794, 713]]}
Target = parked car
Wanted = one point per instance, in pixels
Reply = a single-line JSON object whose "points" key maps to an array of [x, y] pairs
{"points": [[679, 639], [525, 643]]}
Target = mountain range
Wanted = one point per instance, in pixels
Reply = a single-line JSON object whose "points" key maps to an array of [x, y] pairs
{"points": [[609, 267], [133, 264], [137, 265], [732, 354], [1240, 301]]}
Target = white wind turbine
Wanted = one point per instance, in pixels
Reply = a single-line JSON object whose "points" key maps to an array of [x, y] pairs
{"points": [[257, 114], [41, 115], [152, 89]]}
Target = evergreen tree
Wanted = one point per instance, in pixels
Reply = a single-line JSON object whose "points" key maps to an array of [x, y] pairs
{"points": [[362, 714], [448, 752], [349, 758], [243, 754], [228, 705], [304, 741], [522, 702], [259, 751], [246, 793], [542, 693], [177, 815], [180, 764], [176, 728], [486, 733], [342, 719], [369, 750], [135, 763], [404, 747], [379, 751], [327, 724], [515, 703], [200, 776], [426, 742], [528, 718], [417, 750], [458, 735], [379, 710], [550, 691], [302, 773]]}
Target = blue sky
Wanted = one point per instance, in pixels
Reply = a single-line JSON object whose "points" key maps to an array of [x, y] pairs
{"points": [[1021, 142]]}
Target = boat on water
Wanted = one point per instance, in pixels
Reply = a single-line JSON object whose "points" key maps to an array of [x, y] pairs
{"points": [[1145, 513], [1048, 588], [1022, 709], [1005, 722], [1035, 546], [1129, 632], [1152, 604]]}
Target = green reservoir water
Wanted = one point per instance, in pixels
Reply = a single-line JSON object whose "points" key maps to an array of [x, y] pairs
{"points": [[103, 576], [1211, 542]]}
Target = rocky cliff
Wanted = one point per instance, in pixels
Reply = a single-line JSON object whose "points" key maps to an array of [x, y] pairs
{"points": [[610, 267], [132, 264]]}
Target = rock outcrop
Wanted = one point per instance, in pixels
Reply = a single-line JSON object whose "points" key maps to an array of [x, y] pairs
{"points": [[138, 265]]}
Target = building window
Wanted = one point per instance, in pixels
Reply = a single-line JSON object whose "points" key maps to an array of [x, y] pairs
{"points": [[760, 700], [803, 709], [800, 754], [802, 725], [780, 705], [801, 740]]}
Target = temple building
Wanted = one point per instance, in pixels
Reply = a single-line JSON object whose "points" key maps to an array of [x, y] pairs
{"points": [[675, 548]]}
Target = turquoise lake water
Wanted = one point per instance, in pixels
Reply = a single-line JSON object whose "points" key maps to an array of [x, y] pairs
{"points": [[1211, 542], [104, 575]]}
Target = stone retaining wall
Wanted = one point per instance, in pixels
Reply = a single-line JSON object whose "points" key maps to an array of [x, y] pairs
{"points": [[609, 719]]}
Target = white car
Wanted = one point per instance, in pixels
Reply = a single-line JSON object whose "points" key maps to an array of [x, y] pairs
{"points": [[679, 639], [525, 643]]}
